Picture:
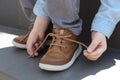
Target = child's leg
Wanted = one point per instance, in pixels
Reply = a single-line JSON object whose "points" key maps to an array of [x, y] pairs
{"points": [[27, 7], [65, 14]]}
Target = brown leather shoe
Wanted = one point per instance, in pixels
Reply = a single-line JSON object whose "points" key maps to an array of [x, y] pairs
{"points": [[62, 51], [20, 41]]}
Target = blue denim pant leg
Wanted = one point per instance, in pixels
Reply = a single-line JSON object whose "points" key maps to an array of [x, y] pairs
{"points": [[65, 14], [40, 9]]}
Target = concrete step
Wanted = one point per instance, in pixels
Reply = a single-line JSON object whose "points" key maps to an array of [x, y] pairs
{"points": [[15, 64]]}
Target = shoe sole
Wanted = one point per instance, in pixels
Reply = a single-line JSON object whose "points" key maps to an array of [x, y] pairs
{"points": [[18, 45], [23, 46], [61, 67]]}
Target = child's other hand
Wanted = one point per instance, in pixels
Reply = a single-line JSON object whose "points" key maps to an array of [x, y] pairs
{"points": [[33, 42], [97, 47]]}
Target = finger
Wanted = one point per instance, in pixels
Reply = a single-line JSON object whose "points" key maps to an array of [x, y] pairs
{"points": [[85, 53], [36, 47], [99, 50], [93, 45], [30, 52], [88, 56], [38, 44], [36, 54], [95, 54], [30, 49]]}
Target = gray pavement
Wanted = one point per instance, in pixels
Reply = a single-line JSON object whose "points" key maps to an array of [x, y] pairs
{"points": [[14, 63]]}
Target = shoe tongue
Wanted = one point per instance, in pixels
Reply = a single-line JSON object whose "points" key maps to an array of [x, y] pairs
{"points": [[62, 31]]}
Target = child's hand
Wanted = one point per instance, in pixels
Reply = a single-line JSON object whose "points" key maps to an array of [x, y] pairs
{"points": [[37, 35], [97, 46], [34, 40]]}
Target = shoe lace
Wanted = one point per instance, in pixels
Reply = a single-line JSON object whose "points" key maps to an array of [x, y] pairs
{"points": [[60, 40]]}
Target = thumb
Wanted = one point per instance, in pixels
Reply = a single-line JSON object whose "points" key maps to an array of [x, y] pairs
{"points": [[93, 45]]}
